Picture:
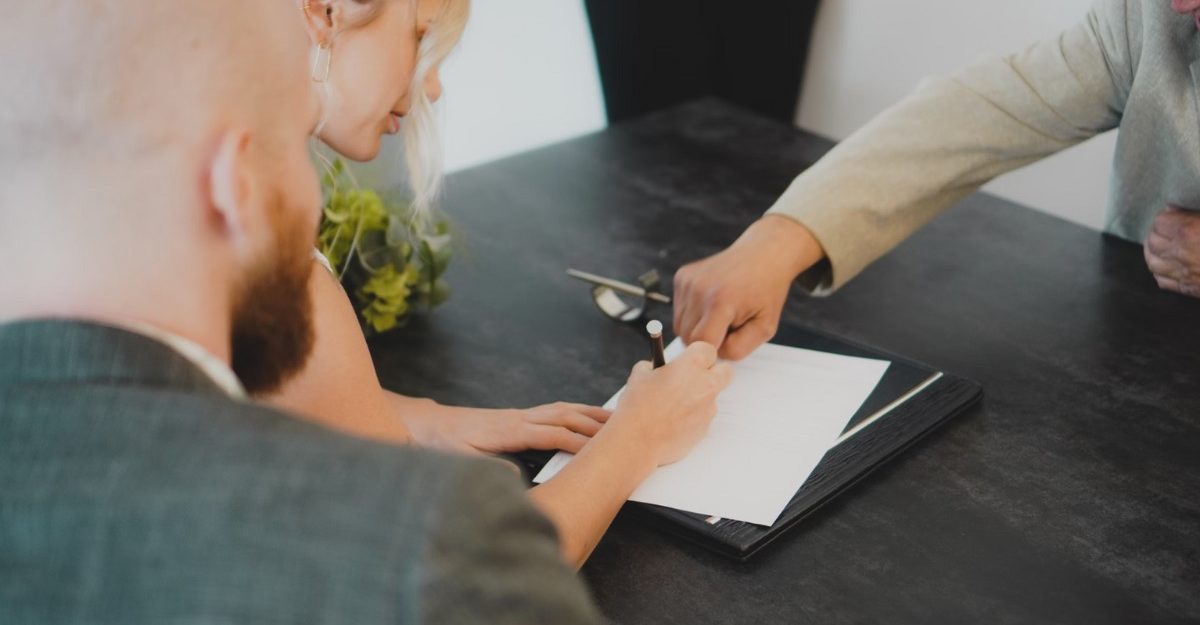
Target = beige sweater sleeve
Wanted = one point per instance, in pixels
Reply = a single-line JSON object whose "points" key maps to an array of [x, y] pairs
{"points": [[953, 134]]}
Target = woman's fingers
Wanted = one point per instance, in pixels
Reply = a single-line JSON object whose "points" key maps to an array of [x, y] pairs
{"points": [[581, 424], [641, 368], [578, 418], [561, 409], [558, 413], [555, 437], [593, 412]]}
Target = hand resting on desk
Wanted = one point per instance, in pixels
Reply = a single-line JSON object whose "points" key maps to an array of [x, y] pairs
{"points": [[560, 425]]}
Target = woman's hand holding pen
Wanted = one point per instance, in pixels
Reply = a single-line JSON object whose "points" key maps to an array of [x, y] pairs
{"points": [[666, 411], [661, 415]]}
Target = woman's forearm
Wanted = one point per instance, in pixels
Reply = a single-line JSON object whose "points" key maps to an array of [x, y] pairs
{"points": [[583, 498]]}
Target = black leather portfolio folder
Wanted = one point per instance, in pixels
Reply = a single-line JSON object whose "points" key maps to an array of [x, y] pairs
{"points": [[910, 401]]}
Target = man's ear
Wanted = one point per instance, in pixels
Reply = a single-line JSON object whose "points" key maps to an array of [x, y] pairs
{"points": [[230, 187], [322, 19]]}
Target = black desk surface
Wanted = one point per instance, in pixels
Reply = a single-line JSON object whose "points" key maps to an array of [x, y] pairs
{"points": [[1072, 495]]}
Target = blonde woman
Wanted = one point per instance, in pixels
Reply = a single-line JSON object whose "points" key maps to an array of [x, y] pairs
{"points": [[375, 63]]}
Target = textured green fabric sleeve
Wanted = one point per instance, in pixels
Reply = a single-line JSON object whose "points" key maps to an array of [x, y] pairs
{"points": [[492, 558], [954, 134]]}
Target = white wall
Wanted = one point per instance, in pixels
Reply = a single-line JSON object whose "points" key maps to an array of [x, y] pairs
{"points": [[867, 54], [524, 76]]}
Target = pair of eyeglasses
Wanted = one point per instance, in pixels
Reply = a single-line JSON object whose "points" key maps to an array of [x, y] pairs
{"points": [[621, 301]]}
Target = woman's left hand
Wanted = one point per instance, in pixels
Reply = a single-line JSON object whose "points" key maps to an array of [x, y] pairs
{"points": [[559, 425]]}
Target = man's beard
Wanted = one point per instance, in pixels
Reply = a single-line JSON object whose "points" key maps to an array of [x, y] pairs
{"points": [[272, 315]]}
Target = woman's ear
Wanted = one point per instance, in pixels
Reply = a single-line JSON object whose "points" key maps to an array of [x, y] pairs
{"points": [[322, 19]]}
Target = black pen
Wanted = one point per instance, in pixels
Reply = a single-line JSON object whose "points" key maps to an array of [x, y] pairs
{"points": [[655, 329]]}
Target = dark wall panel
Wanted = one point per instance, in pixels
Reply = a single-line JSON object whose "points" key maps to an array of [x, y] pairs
{"points": [[656, 53]]}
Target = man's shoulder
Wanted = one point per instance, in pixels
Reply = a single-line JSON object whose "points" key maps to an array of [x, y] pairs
{"points": [[206, 487], [255, 443], [210, 444], [207, 440]]}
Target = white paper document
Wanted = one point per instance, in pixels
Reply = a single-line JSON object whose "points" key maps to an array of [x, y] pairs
{"points": [[785, 408]]}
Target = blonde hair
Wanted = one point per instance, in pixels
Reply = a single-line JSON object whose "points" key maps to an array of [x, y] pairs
{"points": [[419, 130]]}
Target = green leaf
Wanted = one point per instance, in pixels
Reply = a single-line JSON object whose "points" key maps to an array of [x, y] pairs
{"points": [[387, 262]]}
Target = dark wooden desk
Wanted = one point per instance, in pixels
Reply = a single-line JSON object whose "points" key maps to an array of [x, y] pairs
{"points": [[1071, 496]]}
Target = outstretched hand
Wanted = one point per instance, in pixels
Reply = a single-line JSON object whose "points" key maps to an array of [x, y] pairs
{"points": [[734, 299]]}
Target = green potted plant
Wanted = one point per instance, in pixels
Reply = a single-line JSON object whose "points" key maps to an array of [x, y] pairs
{"points": [[389, 260]]}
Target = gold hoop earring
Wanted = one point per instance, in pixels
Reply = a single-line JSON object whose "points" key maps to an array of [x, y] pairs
{"points": [[321, 62]]}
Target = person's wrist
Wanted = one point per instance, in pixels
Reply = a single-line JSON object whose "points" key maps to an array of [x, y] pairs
{"points": [[623, 437], [410, 408], [791, 246]]}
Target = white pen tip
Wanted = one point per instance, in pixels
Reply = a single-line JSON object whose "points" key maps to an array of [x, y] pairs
{"points": [[654, 328]]}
